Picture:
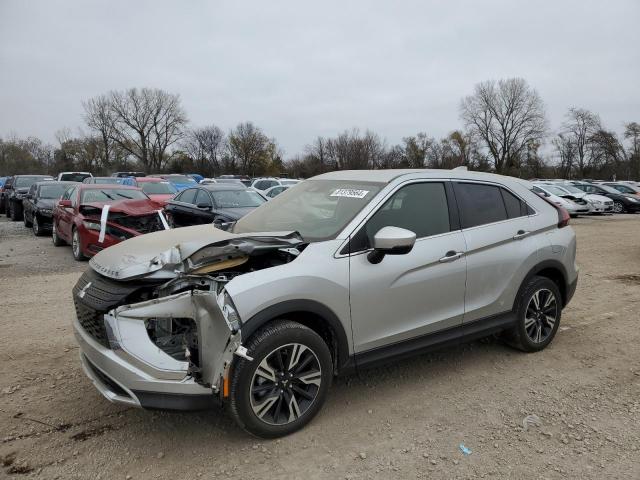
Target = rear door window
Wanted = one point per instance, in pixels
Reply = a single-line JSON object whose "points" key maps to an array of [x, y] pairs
{"points": [[203, 198], [188, 196], [479, 204]]}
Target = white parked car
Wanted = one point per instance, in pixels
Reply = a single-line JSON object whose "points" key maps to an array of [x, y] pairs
{"points": [[73, 176], [266, 183], [598, 203], [557, 196]]}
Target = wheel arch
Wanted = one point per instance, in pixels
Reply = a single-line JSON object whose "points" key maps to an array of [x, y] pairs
{"points": [[312, 314], [554, 271]]}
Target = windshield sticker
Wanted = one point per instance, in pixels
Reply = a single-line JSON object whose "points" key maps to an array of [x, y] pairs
{"points": [[349, 193]]}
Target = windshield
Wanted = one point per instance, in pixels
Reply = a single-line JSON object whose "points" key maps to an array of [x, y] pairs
{"points": [[555, 190], [107, 180], [623, 188], [157, 188], [237, 198], [108, 195], [52, 191], [73, 177], [571, 188], [608, 189], [180, 179], [22, 182], [316, 209]]}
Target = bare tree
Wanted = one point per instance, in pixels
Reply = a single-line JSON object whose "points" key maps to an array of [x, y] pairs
{"points": [[144, 122], [99, 118], [416, 148], [579, 127], [566, 150], [205, 146], [248, 149], [632, 133], [607, 154], [506, 115]]}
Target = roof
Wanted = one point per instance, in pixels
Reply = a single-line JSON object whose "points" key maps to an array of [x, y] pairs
{"points": [[56, 182], [387, 176], [149, 179], [223, 186], [104, 186]]}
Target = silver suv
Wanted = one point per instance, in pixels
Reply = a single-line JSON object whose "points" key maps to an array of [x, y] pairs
{"points": [[340, 272]]}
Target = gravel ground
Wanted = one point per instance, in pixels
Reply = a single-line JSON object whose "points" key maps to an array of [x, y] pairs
{"points": [[406, 420]]}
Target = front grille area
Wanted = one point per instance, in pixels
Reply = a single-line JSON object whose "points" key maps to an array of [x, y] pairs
{"points": [[141, 223], [92, 322], [94, 295]]}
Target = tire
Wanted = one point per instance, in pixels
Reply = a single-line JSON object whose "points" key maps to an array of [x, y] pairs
{"points": [[27, 224], [35, 226], [57, 241], [539, 308], [15, 216], [76, 248], [618, 207], [301, 393]]}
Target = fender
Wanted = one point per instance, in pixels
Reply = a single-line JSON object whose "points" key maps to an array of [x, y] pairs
{"points": [[343, 360], [565, 288]]}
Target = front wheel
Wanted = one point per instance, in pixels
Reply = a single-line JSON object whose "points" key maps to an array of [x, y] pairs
{"points": [[26, 222], [76, 246], [286, 383], [618, 207], [539, 307], [57, 241], [35, 226]]}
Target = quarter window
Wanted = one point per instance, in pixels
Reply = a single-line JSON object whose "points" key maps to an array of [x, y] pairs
{"points": [[515, 207], [479, 204], [419, 207]]}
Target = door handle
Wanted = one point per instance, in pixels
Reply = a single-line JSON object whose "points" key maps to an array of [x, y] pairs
{"points": [[521, 234], [450, 256]]}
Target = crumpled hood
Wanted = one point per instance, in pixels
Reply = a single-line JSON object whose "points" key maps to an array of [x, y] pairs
{"points": [[162, 254], [140, 206]]}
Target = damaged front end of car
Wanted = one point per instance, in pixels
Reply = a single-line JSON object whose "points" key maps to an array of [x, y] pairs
{"points": [[153, 341]]}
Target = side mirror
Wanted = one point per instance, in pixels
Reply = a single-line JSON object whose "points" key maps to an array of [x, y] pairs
{"points": [[64, 203], [391, 241]]}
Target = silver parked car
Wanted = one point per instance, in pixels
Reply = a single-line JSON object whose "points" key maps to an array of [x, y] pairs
{"points": [[349, 269]]}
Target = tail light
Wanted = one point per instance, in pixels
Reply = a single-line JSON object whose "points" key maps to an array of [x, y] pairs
{"points": [[563, 215]]}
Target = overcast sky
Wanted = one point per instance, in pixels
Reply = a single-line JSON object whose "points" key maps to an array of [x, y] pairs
{"points": [[301, 69]]}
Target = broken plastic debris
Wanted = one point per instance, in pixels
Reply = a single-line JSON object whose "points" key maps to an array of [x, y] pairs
{"points": [[531, 420], [463, 449]]}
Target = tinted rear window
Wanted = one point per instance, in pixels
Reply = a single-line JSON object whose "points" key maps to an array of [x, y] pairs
{"points": [[479, 204]]}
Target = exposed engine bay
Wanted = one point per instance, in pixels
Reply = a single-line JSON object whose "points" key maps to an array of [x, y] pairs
{"points": [[188, 318]]}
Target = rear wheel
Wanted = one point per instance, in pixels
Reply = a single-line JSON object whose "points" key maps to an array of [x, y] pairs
{"points": [[13, 212], [538, 315], [286, 383], [57, 241], [76, 246]]}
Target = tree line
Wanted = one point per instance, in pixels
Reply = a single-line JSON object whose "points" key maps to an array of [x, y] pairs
{"points": [[504, 130]]}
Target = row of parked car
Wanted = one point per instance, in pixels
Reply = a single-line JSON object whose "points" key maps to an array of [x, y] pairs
{"points": [[92, 213], [581, 198]]}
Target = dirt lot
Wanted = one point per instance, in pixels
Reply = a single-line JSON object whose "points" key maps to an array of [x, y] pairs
{"points": [[406, 420]]}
